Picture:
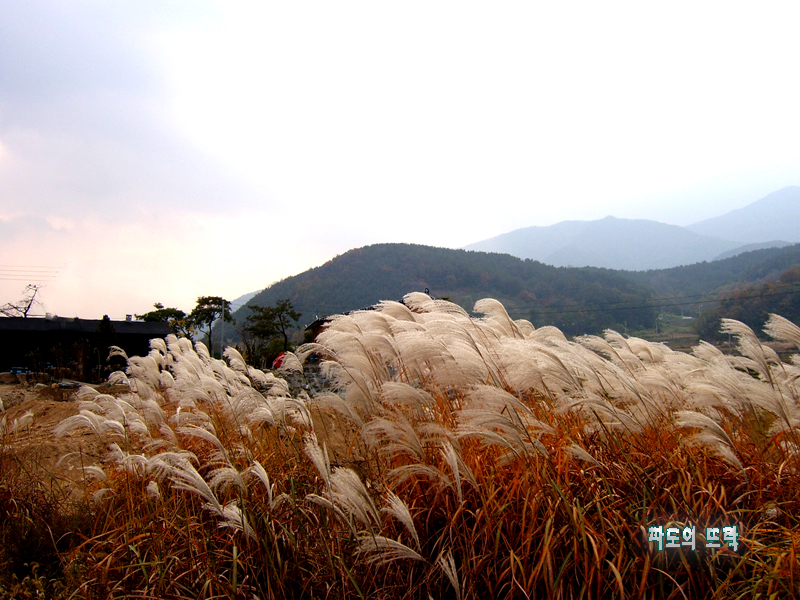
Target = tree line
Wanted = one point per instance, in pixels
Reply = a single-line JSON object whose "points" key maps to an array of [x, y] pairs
{"points": [[265, 332]]}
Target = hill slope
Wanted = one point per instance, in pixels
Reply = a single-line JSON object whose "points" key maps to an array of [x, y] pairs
{"points": [[578, 300], [721, 276], [529, 289]]}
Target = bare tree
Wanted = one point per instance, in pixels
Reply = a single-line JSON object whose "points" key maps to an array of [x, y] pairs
{"points": [[24, 306]]}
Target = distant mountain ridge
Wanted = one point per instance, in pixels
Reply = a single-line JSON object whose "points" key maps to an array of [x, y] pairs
{"points": [[774, 217], [640, 244]]}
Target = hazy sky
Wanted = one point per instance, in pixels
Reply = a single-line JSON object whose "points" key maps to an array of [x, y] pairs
{"points": [[159, 151]]}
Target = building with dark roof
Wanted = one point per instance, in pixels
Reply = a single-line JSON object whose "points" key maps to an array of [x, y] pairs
{"points": [[77, 345]]}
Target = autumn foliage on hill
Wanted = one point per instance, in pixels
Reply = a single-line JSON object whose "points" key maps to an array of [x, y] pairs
{"points": [[753, 305]]}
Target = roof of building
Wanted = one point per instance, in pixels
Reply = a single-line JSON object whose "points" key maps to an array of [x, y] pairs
{"points": [[46, 324]]}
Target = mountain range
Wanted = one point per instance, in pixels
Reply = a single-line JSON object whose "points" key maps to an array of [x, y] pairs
{"points": [[641, 244]]}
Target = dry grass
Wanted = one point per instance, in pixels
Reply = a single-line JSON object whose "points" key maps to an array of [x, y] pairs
{"points": [[453, 458]]}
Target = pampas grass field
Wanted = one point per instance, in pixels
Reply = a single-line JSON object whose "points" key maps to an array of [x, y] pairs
{"points": [[449, 457]]}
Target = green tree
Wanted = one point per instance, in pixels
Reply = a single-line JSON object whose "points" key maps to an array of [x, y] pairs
{"points": [[271, 322], [174, 317], [207, 311]]}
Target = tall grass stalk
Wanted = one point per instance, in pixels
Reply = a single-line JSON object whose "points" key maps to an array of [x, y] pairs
{"points": [[451, 457]]}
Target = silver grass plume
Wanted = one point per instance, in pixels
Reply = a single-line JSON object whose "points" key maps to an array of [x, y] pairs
{"points": [[234, 518], [185, 477], [208, 434], [761, 358], [144, 371], [782, 329], [495, 417], [118, 378], [157, 358], [275, 411], [416, 470], [394, 434], [458, 468], [319, 458], [399, 394], [349, 493], [711, 435], [95, 471], [601, 415], [98, 496], [399, 510], [117, 351], [707, 352], [137, 464], [396, 310], [647, 352], [345, 492], [235, 359], [184, 346], [548, 333], [258, 470], [159, 344], [579, 453], [774, 391], [153, 491], [22, 422], [202, 351], [88, 419], [264, 380], [160, 465], [168, 434], [496, 315], [614, 347], [226, 477], [291, 363], [448, 565], [384, 550], [337, 403]]}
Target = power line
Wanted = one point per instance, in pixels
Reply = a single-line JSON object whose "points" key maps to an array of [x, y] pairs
{"points": [[28, 279], [29, 267], [28, 273], [660, 304]]}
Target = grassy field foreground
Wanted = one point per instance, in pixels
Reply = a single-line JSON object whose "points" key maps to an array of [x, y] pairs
{"points": [[452, 457]]}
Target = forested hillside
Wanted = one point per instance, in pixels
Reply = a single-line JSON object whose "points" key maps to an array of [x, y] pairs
{"points": [[709, 281], [576, 300], [754, 304]]}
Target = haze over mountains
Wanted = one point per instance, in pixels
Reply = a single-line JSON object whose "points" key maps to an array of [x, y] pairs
{"points": [[640, 244]]}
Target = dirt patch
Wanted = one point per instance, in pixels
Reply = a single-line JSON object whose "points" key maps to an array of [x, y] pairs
{"points": [[30, 447]]}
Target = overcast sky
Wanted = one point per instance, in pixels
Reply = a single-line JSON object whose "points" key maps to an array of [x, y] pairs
{"points": [[159, 151]]}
